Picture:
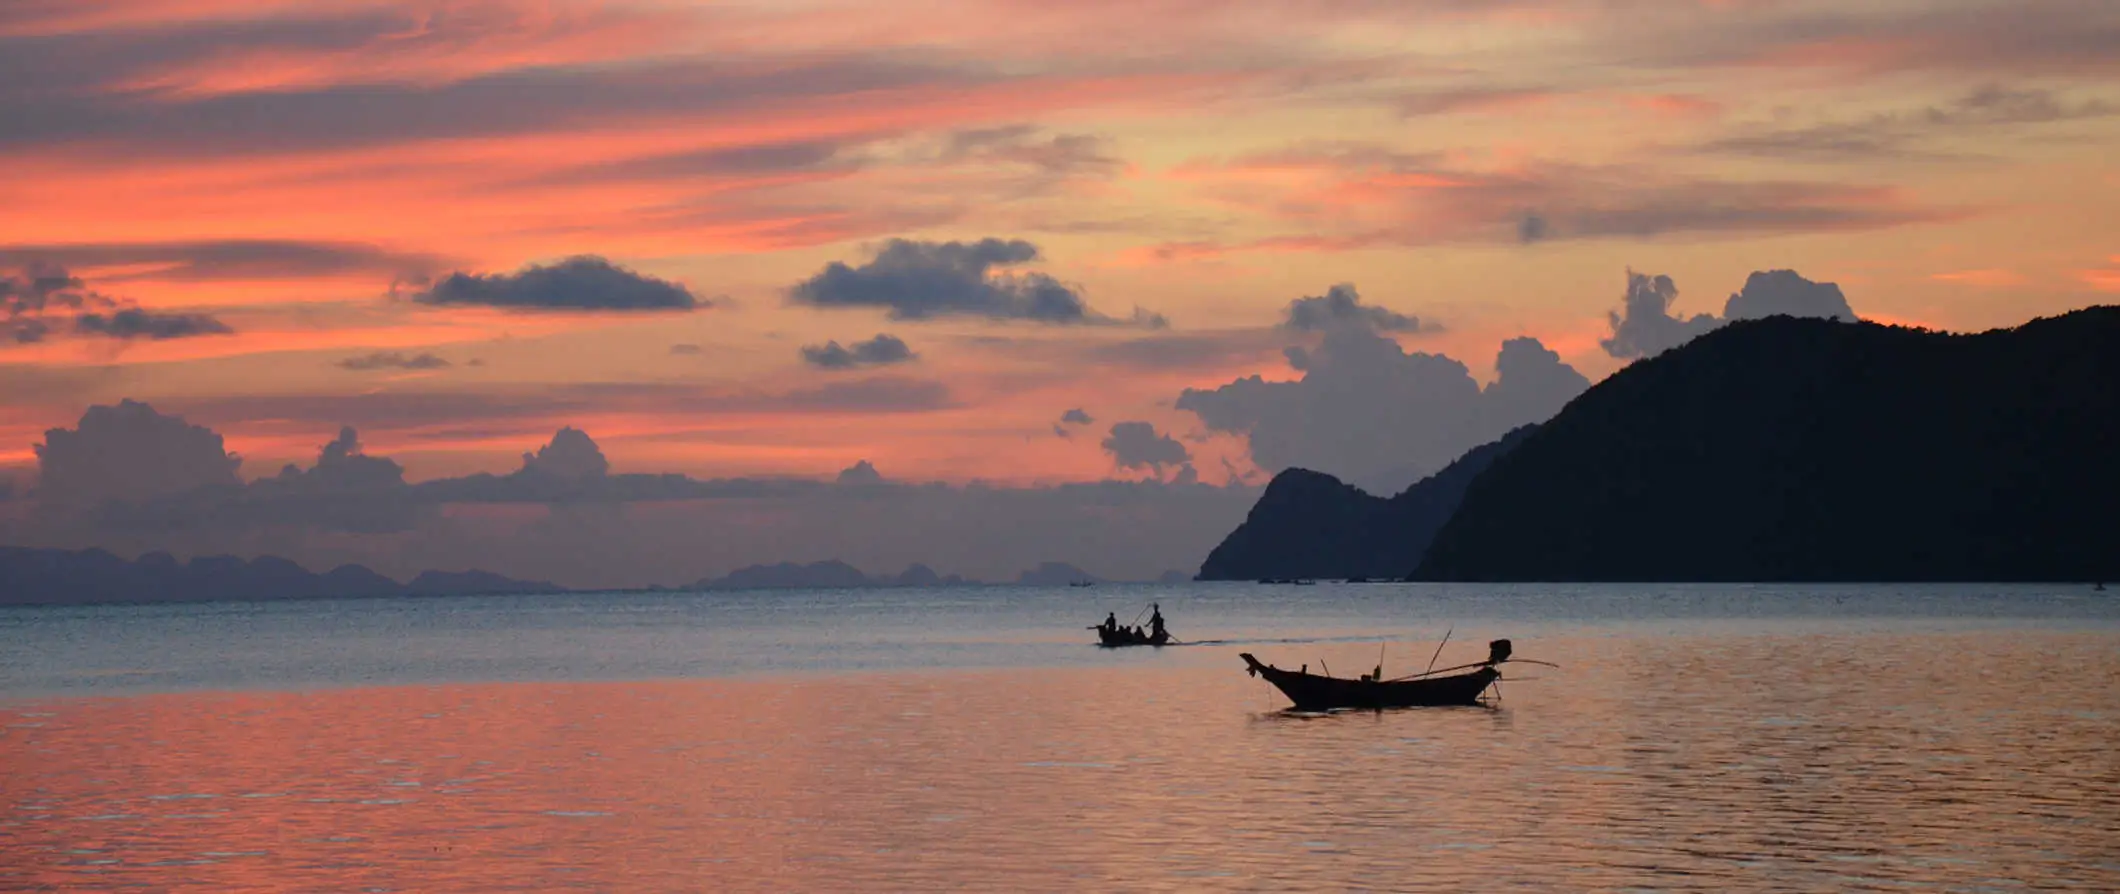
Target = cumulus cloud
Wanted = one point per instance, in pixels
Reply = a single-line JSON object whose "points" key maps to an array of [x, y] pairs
{"points": [[882, 350], [583, 282], [860, 474], [392, 360], [571, 455], [347, 490], [1771, 292], [129, 452], [1137, 445], [1377, 416], [920, 280], [1341, 305], [1531, 384], [1644, 325]]}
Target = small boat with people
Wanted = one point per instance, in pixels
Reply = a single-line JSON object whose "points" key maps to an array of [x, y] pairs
{"points": [[1465, 684], [1111, 634]]}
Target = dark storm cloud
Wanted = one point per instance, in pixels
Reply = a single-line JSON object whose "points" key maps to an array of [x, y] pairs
{"points": [[1341, 305], [36, 295], [1137, 445], [132, 322], [920, 280], [392, 360], [1645, 326], [883, 350], [219, 259], [583, 282], [31, 289]]}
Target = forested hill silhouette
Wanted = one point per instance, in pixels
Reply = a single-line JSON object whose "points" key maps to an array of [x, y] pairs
{"points": [[1809, 450], [1310, 524]]}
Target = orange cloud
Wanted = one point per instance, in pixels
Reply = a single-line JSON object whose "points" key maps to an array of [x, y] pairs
{"points": [[1991, 277], [2104, 279]]}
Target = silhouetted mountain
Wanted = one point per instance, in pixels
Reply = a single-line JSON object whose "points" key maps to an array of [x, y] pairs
{"points": [[830, 574], [1055, 574], [73, 577], [467, 583], [1310, 525], [918, 575], [1796, 449]]}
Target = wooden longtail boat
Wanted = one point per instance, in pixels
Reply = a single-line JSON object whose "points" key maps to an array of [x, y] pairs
{"points": [[1319, 692], [1114, 638]]}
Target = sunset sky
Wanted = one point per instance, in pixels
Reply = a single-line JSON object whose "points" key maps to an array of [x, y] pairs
{"points": [[284, 217]]}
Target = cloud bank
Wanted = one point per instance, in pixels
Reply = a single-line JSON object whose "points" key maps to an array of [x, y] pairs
{"points": [[1644, 325]]}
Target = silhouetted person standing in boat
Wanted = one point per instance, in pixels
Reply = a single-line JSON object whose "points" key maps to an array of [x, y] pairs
{"points": [[1111, 622], [1155, 622]]}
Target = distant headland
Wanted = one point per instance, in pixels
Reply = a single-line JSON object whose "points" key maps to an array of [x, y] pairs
{"points": [[94, 576], [1778, 449]]}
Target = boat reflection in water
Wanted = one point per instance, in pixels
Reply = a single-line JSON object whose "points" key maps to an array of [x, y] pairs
{"points": [[1464, 685]]}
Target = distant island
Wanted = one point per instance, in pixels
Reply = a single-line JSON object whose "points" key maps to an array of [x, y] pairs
{"points": [[1809, 450], [1311, 525], [68, 577], [94, 576]]}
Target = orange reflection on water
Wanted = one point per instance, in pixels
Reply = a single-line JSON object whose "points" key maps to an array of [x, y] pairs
{"points": [[1734, 763]]}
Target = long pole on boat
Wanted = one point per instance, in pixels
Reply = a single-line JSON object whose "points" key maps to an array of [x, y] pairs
{"points": [[1439, 648]]}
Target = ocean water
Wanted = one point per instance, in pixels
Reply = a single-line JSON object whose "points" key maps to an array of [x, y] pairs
{"points": [[1694, 738]]}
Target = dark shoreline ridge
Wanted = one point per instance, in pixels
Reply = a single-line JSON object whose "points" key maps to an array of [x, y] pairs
{"points": [[1809, 450]]}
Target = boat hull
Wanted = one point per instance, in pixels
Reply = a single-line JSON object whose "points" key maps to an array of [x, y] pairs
{"points": [[1113, 639], [1312, 692]]}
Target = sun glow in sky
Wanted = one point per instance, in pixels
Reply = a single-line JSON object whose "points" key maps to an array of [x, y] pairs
{"points": [[309, 176]]}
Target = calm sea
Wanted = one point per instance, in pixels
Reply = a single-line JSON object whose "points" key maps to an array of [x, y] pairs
{"points": [[1694, 738]]}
